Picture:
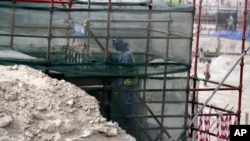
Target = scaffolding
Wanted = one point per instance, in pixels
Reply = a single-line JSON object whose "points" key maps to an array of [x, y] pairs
{"points": [[202, 112], [71, 40]]}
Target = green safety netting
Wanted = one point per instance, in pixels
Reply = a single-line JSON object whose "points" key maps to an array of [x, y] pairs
{"points": [[77, 41], [156, 37]]}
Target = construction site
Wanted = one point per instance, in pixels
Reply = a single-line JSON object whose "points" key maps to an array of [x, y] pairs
{"points": [[71, 41]]}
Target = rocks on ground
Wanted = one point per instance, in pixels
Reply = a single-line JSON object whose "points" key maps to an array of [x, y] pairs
{"points": [[35, 107]]}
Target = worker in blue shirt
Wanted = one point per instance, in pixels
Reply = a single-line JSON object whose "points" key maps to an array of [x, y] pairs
{"points": [[123, 89]]}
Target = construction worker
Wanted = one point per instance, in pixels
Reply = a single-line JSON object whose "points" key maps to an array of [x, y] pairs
{"points": [[201, 56], [207, 71], [231, 23], [123, 88]]}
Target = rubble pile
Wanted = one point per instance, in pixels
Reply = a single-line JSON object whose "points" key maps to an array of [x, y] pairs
{"points": [[35, 107]]}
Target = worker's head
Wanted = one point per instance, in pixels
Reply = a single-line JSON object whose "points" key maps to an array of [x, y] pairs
{"points": [[116, 43], [119, 44]]}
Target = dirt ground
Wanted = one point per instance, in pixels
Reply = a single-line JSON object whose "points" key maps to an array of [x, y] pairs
{"points": [[35, 107]]}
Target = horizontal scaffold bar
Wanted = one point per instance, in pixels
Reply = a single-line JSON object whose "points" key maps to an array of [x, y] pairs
{"points": [[45, 1]]}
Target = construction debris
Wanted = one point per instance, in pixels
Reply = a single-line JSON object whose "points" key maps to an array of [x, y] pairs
{"points": [[36, 107]]}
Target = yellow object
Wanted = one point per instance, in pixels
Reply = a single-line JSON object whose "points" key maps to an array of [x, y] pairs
{"points": [[175, 1], [130, 81], [201, 54], [86, 22]]}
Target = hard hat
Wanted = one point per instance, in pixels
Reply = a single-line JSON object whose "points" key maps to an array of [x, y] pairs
{"points": [[116, 42]]}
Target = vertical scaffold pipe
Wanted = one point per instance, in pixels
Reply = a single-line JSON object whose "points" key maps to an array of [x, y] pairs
{"points": [[163, 129], [144, 84], [194, 2], [87, 29], [146, 53], [242, 61], [13, 24], [49, 32], [108, 35], [196, 58], [197, 38], [70, 4]]}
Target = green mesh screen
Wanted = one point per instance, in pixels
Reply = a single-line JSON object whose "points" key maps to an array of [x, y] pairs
{"points": [[248, 18], [49, 35], [77, 41]]}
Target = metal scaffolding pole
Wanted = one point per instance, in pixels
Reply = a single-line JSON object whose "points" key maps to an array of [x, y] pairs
{"points": [[13, 27], [50, 30], [242, 60]]}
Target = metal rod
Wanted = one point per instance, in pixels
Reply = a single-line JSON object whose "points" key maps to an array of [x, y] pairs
{"points": [[204, 132], [102, 20], [45, 1], [87, 29], [246, 118], [215, 82], [50, 30], [100, 45], [141, 20], [125, 37], [68, 28], [216, 114], [107, 31], [157, 128], [211, 89], [194, 3], [156, 102], [113, 3], [23, 26], [13, 27], [242, 60], [197, 42], [155, 116], [195, 60], [144, 83], [214, 107], [124, 28], [164, 84]]}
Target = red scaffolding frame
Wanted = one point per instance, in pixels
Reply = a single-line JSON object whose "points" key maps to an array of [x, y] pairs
{"points": [[194, 90]]}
